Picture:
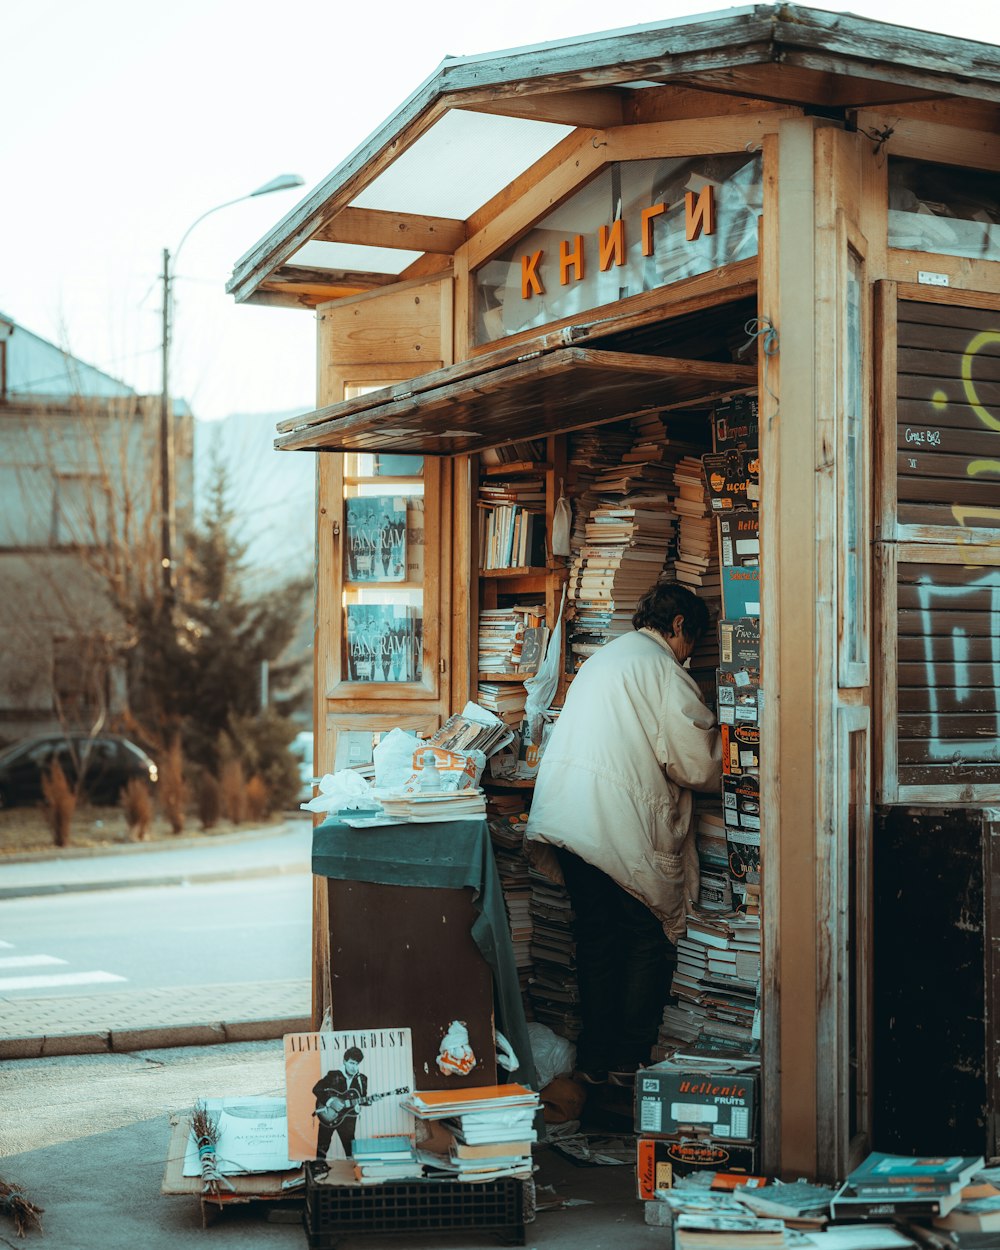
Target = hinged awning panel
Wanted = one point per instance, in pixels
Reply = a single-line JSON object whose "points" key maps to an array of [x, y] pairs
{"points": [[461, 411]]}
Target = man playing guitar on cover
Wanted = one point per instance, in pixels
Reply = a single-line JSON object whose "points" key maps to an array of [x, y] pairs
{"points": [[339, 1096]]}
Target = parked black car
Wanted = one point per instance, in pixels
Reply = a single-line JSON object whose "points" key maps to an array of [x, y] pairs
{"points": [[107, 762]]}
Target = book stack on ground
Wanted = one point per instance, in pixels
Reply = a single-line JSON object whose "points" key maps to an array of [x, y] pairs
{"points": [[717, 986], [491, 1127], [506, 821], [716, 889], [727, 1231], [552, 990], [379, 1159], [887, 1187]]}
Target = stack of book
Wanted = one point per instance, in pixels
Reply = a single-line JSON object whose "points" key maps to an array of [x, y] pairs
{"points": [[553, 991], [431, 806], [716, 985], [525, 451], [378, 1159], [505, 701], [473, 729], [697, 564], [491, 1127], [715, 888], [511, 522], [498, 638], [506, 820], [887, 1187]]}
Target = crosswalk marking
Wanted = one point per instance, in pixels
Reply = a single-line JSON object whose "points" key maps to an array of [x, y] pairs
{"points": [[57, 979], [29, 961]]}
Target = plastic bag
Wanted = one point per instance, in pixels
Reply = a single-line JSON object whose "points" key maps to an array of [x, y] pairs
{"points": [[393, 759], [562, 524], [346, 789], [553, 1055], [542, 686]]}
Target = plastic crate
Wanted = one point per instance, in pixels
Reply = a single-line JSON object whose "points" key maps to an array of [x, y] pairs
{"points": [[415, 1206]]}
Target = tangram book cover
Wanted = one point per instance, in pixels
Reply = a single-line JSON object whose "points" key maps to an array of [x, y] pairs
{"points": [[376, 538], [342, 1085], [383, 642]]}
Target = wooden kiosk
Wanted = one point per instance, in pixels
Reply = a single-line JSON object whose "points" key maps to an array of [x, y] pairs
{"points": [[561, 237]]}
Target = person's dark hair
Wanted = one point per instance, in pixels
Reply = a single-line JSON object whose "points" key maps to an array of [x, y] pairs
{"points": [[352, 1052], [662, 602]]}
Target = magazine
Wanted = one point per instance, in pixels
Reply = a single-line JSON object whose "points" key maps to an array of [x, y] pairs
{"points": [[384, 642], [343, 1085], [376, 538]]}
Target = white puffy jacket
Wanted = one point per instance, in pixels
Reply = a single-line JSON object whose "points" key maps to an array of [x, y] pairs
{"points": [[614, 785]]}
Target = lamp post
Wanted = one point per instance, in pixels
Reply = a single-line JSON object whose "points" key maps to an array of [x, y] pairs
{"points": [[283, 182]]}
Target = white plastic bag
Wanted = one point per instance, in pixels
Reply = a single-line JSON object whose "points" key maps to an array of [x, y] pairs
{"points": [[562, 524], [393, 759], [346, 789], [553, 1055], [542, 686]]}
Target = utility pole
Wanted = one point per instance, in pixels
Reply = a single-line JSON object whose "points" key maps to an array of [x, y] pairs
{"points": [[166, 450]]}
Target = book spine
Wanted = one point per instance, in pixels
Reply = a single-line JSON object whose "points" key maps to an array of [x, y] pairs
{"points": [[884, 1208]]}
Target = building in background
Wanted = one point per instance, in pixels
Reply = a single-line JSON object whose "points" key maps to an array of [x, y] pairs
{"points": [[79, 530]]}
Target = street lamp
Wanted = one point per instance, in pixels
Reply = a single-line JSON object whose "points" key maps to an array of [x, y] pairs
{"points": [[283, 182]]}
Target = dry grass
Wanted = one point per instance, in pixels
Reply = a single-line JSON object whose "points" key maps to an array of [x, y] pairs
{"points": [[233, 788], [26, 830], [137, 804], [60, 803], [209, 801], [258, 798], [173, 789]]}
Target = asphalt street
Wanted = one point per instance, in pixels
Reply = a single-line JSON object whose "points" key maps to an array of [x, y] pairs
{"points": [[151, 938]]}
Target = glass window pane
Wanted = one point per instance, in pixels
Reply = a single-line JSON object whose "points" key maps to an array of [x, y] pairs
{"points": [[941, 208]]}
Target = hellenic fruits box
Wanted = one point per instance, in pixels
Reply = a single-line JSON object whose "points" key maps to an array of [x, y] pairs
{"points": [[659, 1160], [669, 1099]]}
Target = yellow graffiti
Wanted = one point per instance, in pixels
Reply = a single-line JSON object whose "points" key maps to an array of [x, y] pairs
{"points": [[969, 516], [980, 341], [982, 466], [939, 399]]}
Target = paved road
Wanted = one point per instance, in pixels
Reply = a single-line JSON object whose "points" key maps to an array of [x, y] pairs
{"points": [[154, 938]]}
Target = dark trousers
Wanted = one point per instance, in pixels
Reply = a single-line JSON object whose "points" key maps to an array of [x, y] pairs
{"points": [[345, 1131], [624, 965]]}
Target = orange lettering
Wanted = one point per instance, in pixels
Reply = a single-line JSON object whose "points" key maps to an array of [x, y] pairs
{"points": [[648, 214], [612, 245], [570, 260], [699, 213], [531, 283]]}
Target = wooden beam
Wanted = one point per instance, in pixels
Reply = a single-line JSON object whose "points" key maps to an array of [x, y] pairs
{"points": [[594, 109], [693, 136], [784, 83], [291, 276], [676, 101], [931, 141], [589, 153], [372, 227], [964, 275]]}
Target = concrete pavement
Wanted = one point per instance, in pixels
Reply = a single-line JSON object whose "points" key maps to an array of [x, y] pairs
{"points": [[128, 1020], [87, 1137]]}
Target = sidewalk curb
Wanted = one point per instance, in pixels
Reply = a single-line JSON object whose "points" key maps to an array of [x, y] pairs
{"points": [[180, 843], [155, 1037], [133, 883]]}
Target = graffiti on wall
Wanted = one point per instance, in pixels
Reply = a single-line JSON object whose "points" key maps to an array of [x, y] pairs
{"points": [[948, 475]]}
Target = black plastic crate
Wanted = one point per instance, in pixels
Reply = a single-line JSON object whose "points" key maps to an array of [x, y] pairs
{"points": [[415, 1206]]}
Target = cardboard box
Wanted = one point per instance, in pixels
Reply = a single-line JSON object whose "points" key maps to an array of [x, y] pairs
{"points": [[738, 698], [733, 479], [735, 424], [739, 645], [660, 1159], [739, 540], [741, 591], [740, 749], [671, 1100]]}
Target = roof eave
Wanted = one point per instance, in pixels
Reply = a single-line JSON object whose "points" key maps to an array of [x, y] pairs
{"points": [[758, 35]]}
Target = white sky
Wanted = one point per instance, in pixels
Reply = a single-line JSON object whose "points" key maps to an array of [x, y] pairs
{"points": [[126, 119]]}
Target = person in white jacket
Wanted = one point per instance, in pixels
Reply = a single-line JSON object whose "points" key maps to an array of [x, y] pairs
{"points": [[612, 816]]}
